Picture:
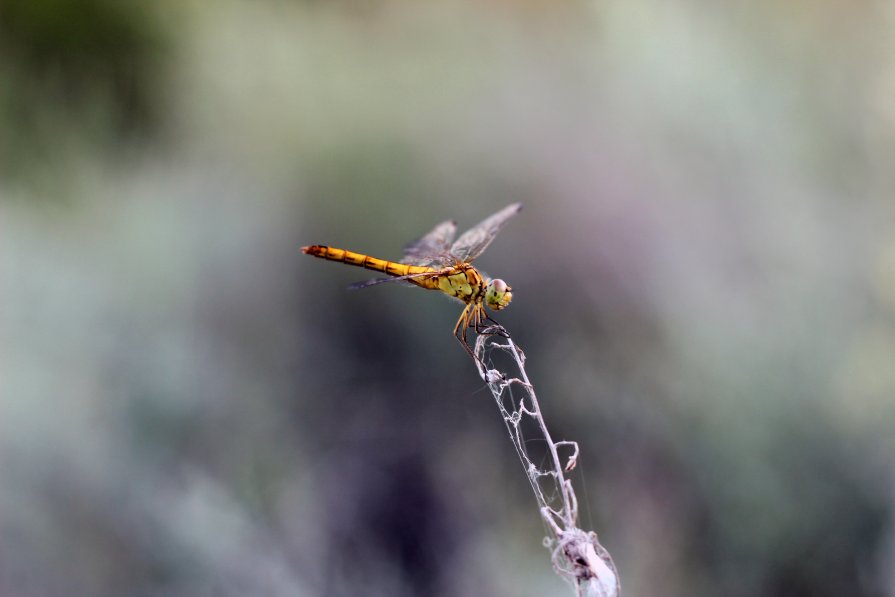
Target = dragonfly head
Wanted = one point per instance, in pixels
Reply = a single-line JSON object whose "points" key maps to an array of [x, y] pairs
{"points": [[498, 294]]}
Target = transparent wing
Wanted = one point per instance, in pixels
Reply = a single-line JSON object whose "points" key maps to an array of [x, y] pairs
{"points": [[376, 281], [431, 249], [475, 240]]}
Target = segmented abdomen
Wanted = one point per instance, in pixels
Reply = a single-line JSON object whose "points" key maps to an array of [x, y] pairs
{"points": [[391, 268]]}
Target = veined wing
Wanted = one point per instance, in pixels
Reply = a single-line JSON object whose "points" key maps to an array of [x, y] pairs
{"points": [[375, 281], [475, 240], [432, 249]]}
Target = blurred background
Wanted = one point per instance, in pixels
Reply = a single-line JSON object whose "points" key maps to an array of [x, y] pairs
{"points": [[704, 281]]}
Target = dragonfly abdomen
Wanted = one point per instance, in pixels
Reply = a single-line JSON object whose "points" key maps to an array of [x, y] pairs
{"points": [[391, 268]]}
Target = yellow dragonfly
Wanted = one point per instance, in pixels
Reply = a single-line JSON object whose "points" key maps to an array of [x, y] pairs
{"points": [[436, 263]]}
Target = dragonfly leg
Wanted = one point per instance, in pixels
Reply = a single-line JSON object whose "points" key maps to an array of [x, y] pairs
{"points": [[474, 316], [499, 331], [461, 323], [479, 316], [460, 330]]}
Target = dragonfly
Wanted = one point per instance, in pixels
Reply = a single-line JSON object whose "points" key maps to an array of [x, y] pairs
{"points": [[436, 261]]}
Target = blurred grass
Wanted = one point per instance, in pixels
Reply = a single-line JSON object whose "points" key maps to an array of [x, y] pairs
{"points": [[74, 72], [703, 280]]}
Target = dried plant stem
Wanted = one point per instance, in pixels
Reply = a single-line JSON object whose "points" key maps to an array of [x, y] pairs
{"points": [[577, 554]]}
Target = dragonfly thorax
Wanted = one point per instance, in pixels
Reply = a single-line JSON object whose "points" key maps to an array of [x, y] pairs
{"points": [[498, 294]]}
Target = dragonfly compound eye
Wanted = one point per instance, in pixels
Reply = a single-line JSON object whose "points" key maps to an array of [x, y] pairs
{"points": [[498, 294]]}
